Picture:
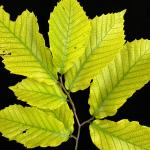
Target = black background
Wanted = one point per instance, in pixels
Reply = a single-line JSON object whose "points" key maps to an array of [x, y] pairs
{"points": [[137, 25]]}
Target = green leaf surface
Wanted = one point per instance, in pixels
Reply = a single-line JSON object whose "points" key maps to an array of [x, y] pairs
{"points": [[69, 33], [106, 40], [32, 127], [121, 135], [128, 72], [23, 48], [39, 94], [65, 115]]}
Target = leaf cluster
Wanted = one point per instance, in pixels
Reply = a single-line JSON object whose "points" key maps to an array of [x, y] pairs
{"points": [[81, 50]]}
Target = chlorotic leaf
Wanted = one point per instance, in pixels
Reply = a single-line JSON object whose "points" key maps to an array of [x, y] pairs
{"points": [[32, 127], [39, 94], [23, 48], [128, 72], [69, 33], [82, 52], [121, 135], [65, 115], [106, 40]]}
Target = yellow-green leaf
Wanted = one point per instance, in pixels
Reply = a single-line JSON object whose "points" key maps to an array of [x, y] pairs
{"points": [[69, 33], [106, 40], [32, 127], [128, 72], [23, 48], [39, 94], [121, 135], [65, 115]]}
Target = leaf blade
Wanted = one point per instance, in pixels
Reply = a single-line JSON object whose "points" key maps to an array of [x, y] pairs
{"points": [[106, 40], [38, 129], [39, 94], [119, 135], [60, 114], [69, 33], [128, 72], [23, 49]]}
